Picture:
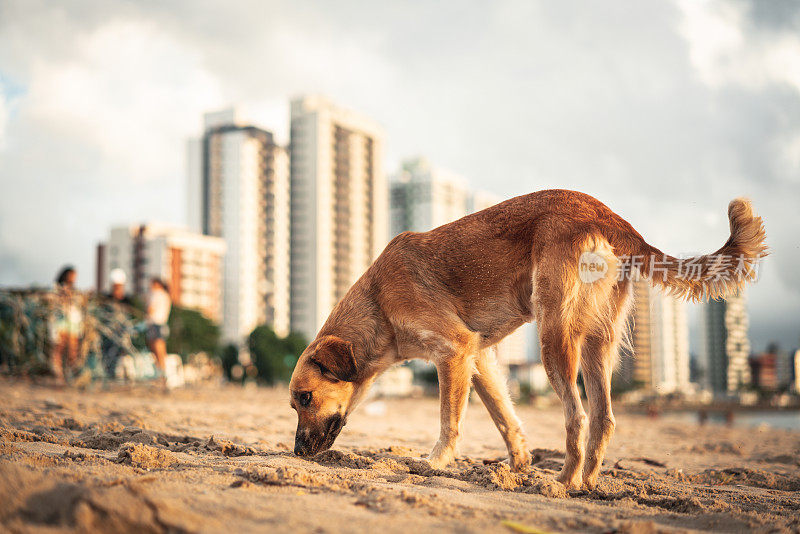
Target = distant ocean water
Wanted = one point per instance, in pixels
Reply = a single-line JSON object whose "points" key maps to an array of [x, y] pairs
{"points": [[788, 420]]}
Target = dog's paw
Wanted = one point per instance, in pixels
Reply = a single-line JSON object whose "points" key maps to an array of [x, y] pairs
{"points": [[441, 456], [571, 481], [590, 482], [520, 461]]}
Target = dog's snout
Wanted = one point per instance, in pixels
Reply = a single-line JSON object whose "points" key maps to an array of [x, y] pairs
{"points": [[310, 441], [300, 448]]}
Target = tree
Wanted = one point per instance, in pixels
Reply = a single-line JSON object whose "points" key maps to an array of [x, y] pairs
{"points": [[296, 343], [273, 356], [191, 332]]}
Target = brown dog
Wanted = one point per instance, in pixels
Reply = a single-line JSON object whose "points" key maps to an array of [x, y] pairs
{"points": [[449, 295]]}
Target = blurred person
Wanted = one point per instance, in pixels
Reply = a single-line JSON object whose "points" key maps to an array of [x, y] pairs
{"points": [[117, 306], [118, 279], [67, 323], [702, 417], [159, 305]]}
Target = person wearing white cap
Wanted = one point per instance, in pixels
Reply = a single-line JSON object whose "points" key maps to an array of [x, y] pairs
{"points": [[118, 279]]}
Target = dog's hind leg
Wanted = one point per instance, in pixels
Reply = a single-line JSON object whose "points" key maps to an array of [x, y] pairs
{"points": [[597, 369], [491, 388], [560, 356], [455, 373], [597, 361]]}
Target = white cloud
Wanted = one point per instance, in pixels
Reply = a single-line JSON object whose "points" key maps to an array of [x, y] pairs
{"points": [[128, 92], [723, 51], [99, 135]]}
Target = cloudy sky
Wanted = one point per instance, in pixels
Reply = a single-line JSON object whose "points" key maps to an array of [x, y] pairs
{"points": [[664, 110]]}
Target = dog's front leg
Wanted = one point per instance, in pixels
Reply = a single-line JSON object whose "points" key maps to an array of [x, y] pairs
{"points": [[454, 374], [491, 388]]}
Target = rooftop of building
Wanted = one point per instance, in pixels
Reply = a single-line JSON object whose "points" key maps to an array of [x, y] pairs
{"points": [[315, 103]]}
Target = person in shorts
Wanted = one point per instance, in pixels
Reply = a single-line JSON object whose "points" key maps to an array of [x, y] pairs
{"points": [[159, 305], [66, 325]]}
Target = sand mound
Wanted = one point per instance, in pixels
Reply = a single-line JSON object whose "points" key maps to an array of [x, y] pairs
{"points": [[500, 476], [70, 423], [92, 439], [756, 478], [228, 448], [190, 445], [389, 464], [289, 476], [97, 439], [145, 456], [491, 476], [110, 440], [13, 434], [344, 459]]}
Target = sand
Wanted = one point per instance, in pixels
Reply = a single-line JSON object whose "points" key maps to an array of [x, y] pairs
{"points": [[219, 459]]}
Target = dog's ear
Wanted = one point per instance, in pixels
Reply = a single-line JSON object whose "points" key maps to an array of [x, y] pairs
{"points": [[335, 356]]}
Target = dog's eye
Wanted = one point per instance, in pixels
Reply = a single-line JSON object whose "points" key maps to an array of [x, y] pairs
{"points": [[305, 399]]}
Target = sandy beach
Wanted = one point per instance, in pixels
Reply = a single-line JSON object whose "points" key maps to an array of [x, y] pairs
{"points": [[219, 459]]}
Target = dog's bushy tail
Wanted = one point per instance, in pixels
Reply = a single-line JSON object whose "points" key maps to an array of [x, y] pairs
{"points": [[716, 275]]}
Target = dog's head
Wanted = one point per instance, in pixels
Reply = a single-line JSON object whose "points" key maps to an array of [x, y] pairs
{"points": [[322, 390]]}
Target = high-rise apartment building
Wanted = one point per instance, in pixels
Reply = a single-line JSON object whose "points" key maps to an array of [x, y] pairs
{"points": [[338, 206], [637, 367], [670, 337], [190, 263], [660, 340], [423, 197], [239, 191], [784, 367], [725, 344]]}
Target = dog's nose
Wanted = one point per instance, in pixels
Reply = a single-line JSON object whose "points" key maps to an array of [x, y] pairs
{"points": [[299, 448]]}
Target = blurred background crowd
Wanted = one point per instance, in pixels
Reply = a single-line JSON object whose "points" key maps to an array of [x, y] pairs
{"points": [[80, 337]]}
